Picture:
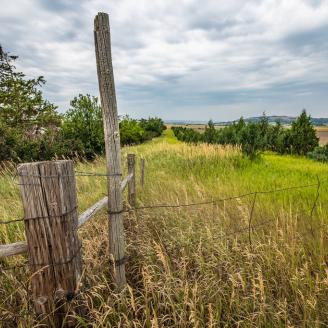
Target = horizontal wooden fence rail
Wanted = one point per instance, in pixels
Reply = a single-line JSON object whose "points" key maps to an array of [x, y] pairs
{"points": [[17, 248], [126, 181], [20, 247]]}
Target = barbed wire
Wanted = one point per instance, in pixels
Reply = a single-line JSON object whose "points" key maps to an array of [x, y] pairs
{"points": [[248, 229], [13, 267], [208, 202], [96, 174], [11, 221], [215, 201]]}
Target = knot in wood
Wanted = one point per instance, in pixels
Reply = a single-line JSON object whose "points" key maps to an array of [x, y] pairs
{"points": [[41, 300], [59, 294]]}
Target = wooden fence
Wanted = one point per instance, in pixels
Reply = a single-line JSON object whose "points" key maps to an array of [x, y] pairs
{"points": [[48, 193]]}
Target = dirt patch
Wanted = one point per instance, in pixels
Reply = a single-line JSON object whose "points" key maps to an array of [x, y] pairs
{"points": [[322, 133]]}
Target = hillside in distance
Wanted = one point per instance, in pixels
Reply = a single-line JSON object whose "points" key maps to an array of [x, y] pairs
{"points": [[285, 120]]}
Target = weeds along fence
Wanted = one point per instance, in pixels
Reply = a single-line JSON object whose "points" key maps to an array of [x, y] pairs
{"points": [[51, 223]]}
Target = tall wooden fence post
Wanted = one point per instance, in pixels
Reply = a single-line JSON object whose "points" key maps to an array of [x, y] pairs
{"points": [[48, 194], [142, 172], [132, 182], [112, 144]]}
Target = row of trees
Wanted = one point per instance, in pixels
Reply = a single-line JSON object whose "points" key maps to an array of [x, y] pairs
{"points": [[31, 128], [257, 137]]}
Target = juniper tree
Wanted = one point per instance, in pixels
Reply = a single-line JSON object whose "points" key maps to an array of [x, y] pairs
{"points": [[303, 135]]}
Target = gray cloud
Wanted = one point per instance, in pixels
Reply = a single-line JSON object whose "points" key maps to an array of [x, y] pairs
{"points": [[189, 60]]}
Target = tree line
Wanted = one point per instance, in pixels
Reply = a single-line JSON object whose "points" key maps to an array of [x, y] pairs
{"points": [[256, 137], [31, 128]]}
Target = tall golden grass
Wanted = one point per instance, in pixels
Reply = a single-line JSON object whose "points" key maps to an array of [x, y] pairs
{"points": [[197, 266]]}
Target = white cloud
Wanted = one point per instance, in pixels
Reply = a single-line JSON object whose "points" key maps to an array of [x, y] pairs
{"points": [[222, 54]]}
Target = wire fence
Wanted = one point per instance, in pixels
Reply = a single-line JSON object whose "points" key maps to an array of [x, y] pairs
{"points": [[249, 229], [202, 203]]}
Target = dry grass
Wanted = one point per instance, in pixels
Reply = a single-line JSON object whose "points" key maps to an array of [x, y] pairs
{"points": [[198, 266], [322, 133]]}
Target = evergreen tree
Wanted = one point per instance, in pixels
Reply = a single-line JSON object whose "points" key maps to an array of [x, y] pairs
{"points": [[251, 140], [210, 133], [264, 130], [303, 136]]}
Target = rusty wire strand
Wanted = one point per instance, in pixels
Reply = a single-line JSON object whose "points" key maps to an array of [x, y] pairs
{"points": [[213, 201]]}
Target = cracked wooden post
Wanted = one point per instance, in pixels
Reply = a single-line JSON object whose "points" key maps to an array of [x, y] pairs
{"points": [[48, 193], [113, 148], [142, 172], [132, 182]]}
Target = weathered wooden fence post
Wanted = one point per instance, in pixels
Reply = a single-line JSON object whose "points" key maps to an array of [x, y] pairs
{"points": [[132, 182], [48, 194], [142, 172], [112, 144]]}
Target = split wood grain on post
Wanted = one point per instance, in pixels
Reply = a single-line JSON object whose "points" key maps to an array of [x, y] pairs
{"points": [[48, 193], [112, 145], [132, 182], [142, 172]]}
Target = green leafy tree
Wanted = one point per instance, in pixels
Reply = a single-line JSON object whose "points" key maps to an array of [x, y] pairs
{"points": [[131, 131], [9, 139], [153, 127], [302, 135], [27, 120], [82, 128], [21, 100]]}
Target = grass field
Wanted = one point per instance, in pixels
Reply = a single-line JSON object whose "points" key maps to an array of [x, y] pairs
{"points": [[199, 266]]}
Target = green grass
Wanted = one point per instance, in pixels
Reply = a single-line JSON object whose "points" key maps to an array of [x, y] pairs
{"points": [[188, 267]]}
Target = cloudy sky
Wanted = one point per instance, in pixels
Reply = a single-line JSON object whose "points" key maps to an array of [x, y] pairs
{"points": [[179, 59]]}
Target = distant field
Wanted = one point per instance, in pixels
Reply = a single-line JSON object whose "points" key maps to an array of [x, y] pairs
{"points": [[322, 131]]}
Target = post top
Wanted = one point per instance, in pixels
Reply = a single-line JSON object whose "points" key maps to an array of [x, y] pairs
{"points": [[44, 163], [101, 21]]}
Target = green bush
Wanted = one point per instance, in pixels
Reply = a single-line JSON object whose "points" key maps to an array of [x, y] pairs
{"points": [[251, 140], [9, 138], [319, 154], [82, 128], [131, 131], [153, 127], [303, 136]]}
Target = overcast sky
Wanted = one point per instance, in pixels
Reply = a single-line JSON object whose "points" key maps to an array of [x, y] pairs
{"points": [[179, 59]]}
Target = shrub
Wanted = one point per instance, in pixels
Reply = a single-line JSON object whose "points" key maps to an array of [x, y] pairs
{"points": [[9, 138], [258, 136], [251, 140], [82, 129], [131, 131], [153, 127], [319, 154], [302, 135]]}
